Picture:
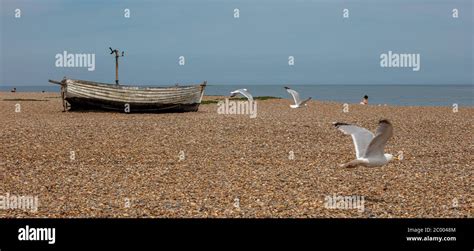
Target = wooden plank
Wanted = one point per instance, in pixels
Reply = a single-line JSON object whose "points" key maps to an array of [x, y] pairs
{"points": [[55, 82]]}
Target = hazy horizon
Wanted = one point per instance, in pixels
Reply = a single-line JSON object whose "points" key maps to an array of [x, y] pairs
{"points": [[252, 49], [255, 84]]}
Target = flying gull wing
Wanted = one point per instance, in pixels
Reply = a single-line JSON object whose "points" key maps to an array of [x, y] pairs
{"points": [[361, 137], [296, 96], [242, 92], [305, 101], [382, 135]]}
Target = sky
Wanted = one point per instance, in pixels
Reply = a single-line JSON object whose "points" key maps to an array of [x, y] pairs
{"points": [[252, 49]]}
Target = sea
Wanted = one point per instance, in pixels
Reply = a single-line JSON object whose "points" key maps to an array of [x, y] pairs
{"points": [[400, 95]]}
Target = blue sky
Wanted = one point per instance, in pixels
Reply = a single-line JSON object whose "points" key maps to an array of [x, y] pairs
{"points": [[253, 49]]}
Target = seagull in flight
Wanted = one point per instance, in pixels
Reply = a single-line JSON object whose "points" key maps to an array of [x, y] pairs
{"points": [[296, 97], [369, 147], [242, 92]]}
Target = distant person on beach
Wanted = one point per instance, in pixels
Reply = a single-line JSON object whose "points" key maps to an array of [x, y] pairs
{"points": [[13, 90], [365, 101]]}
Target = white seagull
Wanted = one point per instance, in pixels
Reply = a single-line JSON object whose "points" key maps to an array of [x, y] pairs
{"points": [[242, 92], [369, 147], [296, 97]]}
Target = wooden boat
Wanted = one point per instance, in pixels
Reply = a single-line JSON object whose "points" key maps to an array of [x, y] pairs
{"points": [[80, 94]]}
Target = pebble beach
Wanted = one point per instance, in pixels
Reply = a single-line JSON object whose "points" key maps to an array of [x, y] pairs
{"points": [[282, 163]]}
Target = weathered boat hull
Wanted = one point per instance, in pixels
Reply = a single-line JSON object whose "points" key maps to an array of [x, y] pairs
{"points": [[87, 95]]}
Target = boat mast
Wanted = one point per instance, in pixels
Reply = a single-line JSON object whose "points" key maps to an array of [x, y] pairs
{"points": [[117, 55]]}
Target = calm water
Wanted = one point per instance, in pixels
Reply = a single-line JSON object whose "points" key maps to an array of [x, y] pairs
{"points": [[424, 95]]}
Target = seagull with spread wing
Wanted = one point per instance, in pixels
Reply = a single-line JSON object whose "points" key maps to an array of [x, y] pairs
{"points": [[242, 92], [369, 147], [296, 98]]}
